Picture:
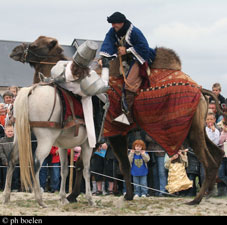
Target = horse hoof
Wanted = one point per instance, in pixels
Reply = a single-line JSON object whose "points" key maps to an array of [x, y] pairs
{"points": [[64, 201], [71, 199], [5, 200]]}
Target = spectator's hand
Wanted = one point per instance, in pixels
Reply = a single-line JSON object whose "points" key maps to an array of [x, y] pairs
{"points": [[132, 151], [3, 110], [174, 157], [142, 152]]}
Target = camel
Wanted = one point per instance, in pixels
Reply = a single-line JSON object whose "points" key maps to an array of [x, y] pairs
{"points": [[208, 153]]}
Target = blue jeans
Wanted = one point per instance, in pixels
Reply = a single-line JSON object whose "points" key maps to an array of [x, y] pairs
{"points": [[43, 174], [55, 177], [160, 175], [222, 171], [142, 180]]}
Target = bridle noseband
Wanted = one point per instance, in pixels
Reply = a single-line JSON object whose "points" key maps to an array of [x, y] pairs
{"points": [[24, 58], [25, 53]]}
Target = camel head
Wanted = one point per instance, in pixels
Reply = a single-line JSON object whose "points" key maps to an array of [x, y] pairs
{"points": [[42, 49]]}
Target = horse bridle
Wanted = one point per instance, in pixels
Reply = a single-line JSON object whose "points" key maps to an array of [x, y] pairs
{"points": [[27, 50]]}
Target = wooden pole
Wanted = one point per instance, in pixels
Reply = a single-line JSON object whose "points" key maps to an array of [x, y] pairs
{"points": [[71, 170]]}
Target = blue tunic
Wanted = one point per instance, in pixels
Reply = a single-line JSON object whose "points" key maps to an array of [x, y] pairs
{"points": [[139, 167], [136, 44]]}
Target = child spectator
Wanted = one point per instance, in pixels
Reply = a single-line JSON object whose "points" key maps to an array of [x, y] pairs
{"points": [[6, 145], [138, 159], [14, 90], [222, 172], [3, 112], [216, 89], [211, 130], [8, 97], [98, 167], [55, 170], [214, 135], [177, 177], [6, 107], [212, 109]]}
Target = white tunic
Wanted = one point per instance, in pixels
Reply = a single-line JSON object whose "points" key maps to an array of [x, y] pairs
{"points": [[74, 87]]}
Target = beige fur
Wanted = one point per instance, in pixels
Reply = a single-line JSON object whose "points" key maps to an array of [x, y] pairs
{"points": [[166, 59]]}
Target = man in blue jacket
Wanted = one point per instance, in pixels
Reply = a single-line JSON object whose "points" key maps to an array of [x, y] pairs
{"points": [[127, 41]]}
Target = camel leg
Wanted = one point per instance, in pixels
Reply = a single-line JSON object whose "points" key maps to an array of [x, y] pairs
{"points": [[197, 138], [76, 187], [12, 163], [120, 148], [217, 155], [64, 174]]}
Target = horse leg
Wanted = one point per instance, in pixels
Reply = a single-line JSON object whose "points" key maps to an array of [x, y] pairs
{"points": [[86, 156], [12, 163], [41, 152], [120, 149], [64, 174], [76, 188]]}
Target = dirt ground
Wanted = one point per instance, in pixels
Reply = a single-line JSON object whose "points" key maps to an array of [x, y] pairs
{"points": [[23, 204]]}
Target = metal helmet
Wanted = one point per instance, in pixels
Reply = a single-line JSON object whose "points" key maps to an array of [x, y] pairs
{"points": [[85, 53]]}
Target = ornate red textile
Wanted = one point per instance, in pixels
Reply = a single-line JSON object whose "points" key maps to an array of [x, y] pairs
{"points": [[164, 111], [76, 105]]}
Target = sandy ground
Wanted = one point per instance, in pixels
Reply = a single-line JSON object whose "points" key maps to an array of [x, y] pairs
{"points": [[23, 204]]}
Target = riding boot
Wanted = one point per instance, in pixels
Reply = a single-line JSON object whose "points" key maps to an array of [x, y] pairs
{"points": [[129, 98]]}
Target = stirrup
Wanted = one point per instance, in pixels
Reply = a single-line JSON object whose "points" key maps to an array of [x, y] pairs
{"points": [[122, 119]]}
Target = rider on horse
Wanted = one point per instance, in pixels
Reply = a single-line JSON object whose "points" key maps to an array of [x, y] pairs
{"points": [[76, 77], [127, 41]]}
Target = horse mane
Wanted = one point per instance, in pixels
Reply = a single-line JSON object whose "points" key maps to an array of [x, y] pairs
{"points": [[166, 59]]}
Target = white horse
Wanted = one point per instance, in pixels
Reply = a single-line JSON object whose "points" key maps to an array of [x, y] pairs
{"points": [[36, 104]]}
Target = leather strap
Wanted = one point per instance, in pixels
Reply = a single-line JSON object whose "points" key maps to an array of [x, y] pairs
{"points": [[47, 124]]}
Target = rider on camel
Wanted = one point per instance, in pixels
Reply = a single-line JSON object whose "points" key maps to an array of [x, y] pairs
{"points": [[127, 41]]}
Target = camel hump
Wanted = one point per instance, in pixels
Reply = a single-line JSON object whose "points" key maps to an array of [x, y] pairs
{"points": [[166, 59]]}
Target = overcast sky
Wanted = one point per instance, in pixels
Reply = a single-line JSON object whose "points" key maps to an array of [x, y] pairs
{"points": [[195, 29]]}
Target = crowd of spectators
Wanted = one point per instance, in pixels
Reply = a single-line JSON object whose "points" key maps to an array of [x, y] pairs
{"points": [[149, 158]]}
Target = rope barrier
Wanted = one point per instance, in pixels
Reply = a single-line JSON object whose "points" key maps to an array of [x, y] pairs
{"points": [[161, 151], [139, 185], [113, 178]]}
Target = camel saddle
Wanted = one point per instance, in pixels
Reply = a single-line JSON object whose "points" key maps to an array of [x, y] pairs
{"points": [[164, 110]]}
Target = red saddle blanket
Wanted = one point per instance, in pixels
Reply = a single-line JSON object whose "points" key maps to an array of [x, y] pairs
{"points": [[164, 111], [77, 106]]}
